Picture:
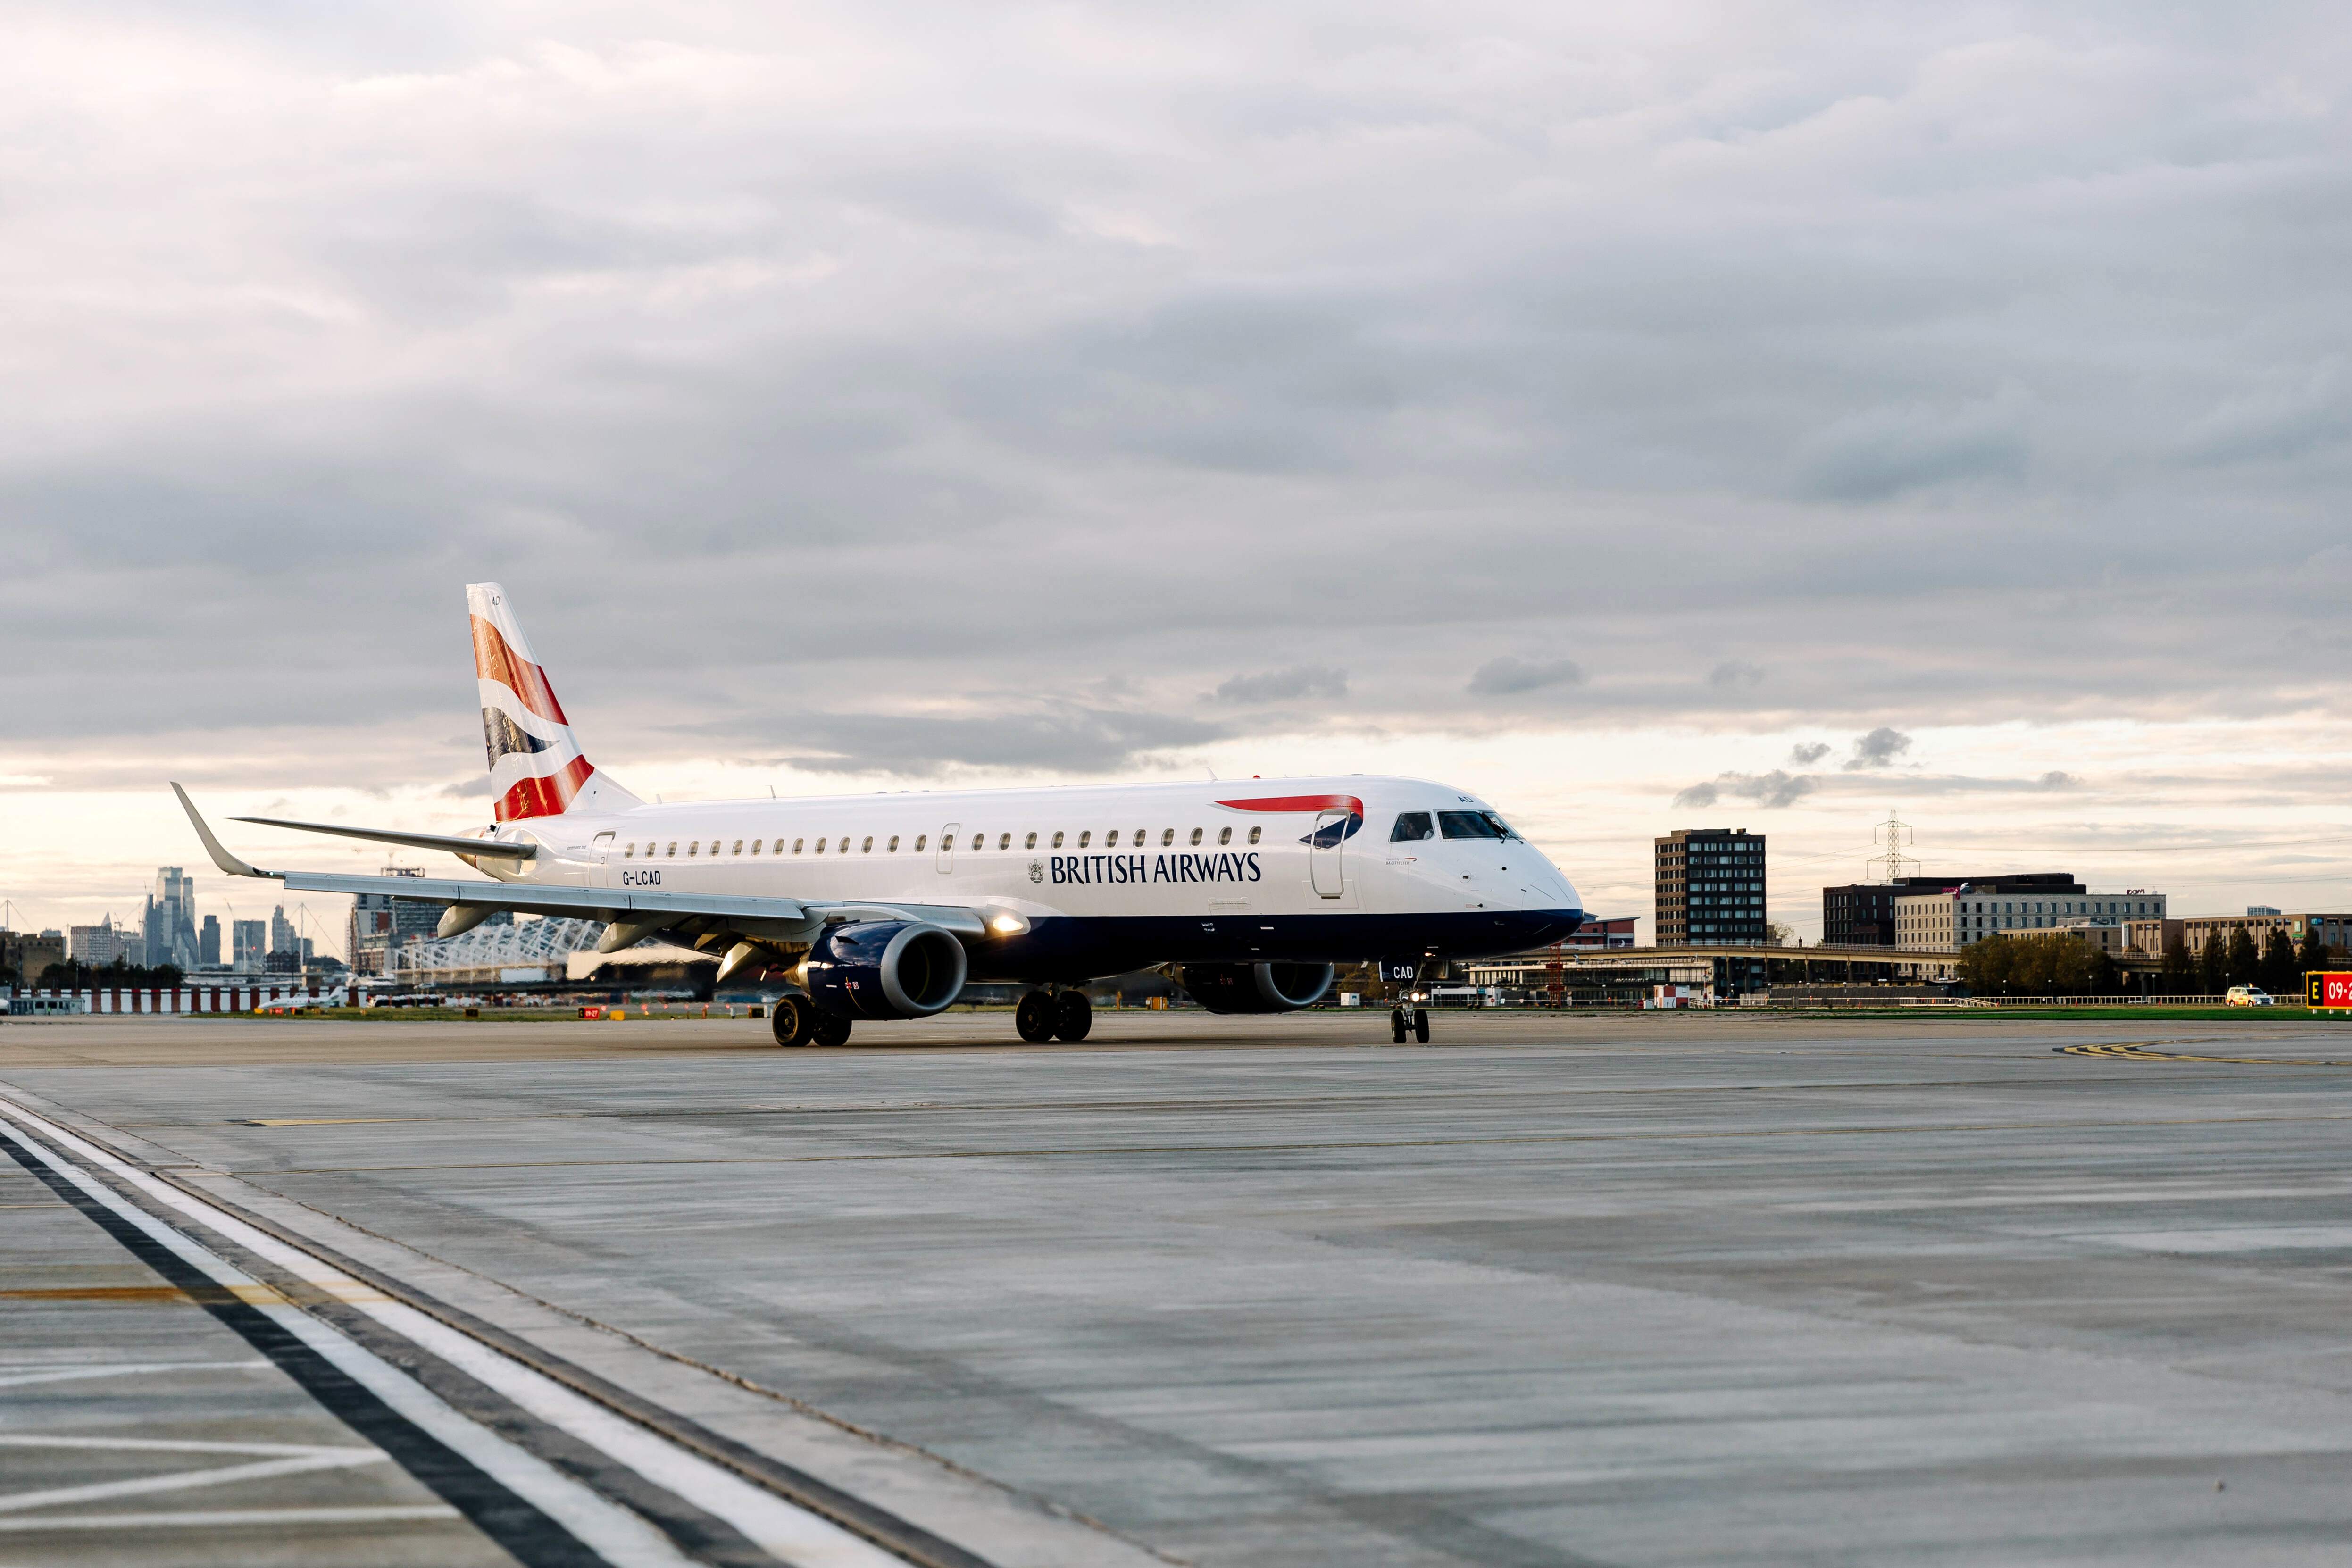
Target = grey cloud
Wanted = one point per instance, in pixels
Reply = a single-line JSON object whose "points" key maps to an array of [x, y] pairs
{"points": [[1879, 749], [1735, 674], [1773, 790], [1883, 451], [1805, 753], [1291, 685], [1070, 740], [741, 398], [1509, 676]]}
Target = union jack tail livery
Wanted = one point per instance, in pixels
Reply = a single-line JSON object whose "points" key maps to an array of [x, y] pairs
{"points": [[537, 768]]}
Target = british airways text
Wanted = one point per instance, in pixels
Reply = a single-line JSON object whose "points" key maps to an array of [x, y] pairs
{"points": [[1089, 869]]}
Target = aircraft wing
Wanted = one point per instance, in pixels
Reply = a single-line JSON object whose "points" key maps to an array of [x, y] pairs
{"points": [[486, 848], [631, 914]]}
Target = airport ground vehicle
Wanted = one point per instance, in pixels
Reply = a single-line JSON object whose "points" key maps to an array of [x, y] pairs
{"points": [[884, 906], [2249, 996]]}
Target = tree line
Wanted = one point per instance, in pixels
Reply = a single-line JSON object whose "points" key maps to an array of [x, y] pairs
{"points": [[2053, 963]]}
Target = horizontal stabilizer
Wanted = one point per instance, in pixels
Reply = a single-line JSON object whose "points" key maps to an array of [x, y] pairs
{"points": [[486, 848]]}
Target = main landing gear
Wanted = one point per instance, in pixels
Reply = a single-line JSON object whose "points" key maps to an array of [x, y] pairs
{"points": [[1414, 1018], [1049, 1014], [797, 1021]]}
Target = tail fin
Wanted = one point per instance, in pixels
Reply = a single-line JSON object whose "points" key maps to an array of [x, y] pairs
{"points": [[537, 768]]}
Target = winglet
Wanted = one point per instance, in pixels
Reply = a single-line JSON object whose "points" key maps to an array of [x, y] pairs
{"points": [[221, 857]]}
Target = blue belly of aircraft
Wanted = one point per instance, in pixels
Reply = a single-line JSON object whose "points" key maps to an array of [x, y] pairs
{"points": [[1072, 947]]}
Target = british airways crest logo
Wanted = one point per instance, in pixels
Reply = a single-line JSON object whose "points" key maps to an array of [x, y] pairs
{"points": [[1329, 832]]}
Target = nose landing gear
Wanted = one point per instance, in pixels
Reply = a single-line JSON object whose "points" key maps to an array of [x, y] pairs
{"points": [[1400, 975], [1048, 1015]]}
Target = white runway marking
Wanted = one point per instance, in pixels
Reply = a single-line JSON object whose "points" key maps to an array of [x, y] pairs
{"points": [[230, 1518], [188, 1481], [619, 1536], [65, 1373]]}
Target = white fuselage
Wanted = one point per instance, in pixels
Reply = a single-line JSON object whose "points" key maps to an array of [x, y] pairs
{"points": [[1112, 872]]}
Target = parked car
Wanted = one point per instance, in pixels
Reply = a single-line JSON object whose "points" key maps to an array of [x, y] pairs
{"points": [[2249, 996]]}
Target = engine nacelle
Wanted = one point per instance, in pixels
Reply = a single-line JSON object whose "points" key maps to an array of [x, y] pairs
{"points": [[1257, 987], [885, 969]]}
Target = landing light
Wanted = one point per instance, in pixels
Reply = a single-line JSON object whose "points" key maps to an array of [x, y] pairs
{"points": [[1009, 925]]}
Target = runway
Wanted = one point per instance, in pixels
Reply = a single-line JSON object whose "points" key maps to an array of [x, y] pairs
{"points": [[1550, 1290]]}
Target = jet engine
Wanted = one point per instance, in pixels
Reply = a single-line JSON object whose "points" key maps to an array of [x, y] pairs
{"points": [[1256, 987], [885, 969]]}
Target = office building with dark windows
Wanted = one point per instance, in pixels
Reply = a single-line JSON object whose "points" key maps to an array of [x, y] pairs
{"points": [[1710, 888], [1862, 914]]}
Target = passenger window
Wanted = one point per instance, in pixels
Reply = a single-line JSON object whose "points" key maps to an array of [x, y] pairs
{"points": [[820, 845], [1196, 836], [980, 840], [894, 844], [739, 847], [1469, 825], [1110, 840], [673, 850], [1224, 835], [1255, 832], [1412, 827], [1057, 841], [1166, 837], [797, 845], [755, 844], [1085, 838], [1140, 836], [628, 851], [1030, 843], [919, 840], [693, 846]]}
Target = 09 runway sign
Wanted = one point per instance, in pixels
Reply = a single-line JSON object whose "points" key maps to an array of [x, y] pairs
{"points": [[2327, 990]]}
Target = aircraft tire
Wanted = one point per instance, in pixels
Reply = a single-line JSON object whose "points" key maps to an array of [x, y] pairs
{"points": [[1396, 1024], [791, 1021], [1420, 1025], [1036, 1017], [831, 1030], [1073, 1015]]}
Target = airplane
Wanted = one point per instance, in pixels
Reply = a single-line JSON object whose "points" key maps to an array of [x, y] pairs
{"points": [[887, 905]]}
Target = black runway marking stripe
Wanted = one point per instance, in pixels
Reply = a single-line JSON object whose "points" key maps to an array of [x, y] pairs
{"points": [[515, 1525], [698, 1534], [2149, 1053], [899, 1536]]}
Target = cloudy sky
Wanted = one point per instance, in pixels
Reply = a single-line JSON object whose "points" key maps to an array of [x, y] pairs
{"points": [[1657, 415]]}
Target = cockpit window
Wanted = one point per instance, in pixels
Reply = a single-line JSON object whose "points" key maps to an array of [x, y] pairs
{"points": [[1411, 825], [1473, 825]]}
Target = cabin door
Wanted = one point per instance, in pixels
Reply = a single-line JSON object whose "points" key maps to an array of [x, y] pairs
{"points": [[1323, 853], [946, 848]]}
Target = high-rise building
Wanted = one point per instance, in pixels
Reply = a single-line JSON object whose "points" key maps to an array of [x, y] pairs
{"points": [[1710, 888], [209, 942], [169, 926], [249, 942], [381, 924], [97, 945], [281, 932]]}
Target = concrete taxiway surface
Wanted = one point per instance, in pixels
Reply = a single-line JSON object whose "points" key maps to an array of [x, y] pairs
{"points": [[1550, 1290]]}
